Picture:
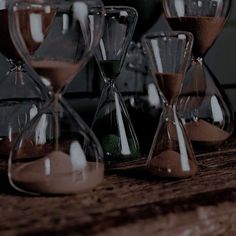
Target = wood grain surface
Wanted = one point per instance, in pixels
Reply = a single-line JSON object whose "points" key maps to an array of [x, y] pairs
{"points": [[131, 202]]}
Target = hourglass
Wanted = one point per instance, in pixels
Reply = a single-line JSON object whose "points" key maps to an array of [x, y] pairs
{"points": [[21, 96], [171, 153], [111, 123], [144, 103], [57, 153], [203, 105]]}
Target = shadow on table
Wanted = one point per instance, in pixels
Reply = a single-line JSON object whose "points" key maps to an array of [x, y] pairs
{"points": [[138, 172]]}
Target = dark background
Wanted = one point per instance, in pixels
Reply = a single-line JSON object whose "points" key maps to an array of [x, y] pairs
{"points": [[221, 59]]}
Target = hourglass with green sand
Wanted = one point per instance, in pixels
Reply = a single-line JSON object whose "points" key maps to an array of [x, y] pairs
{"points": [[112, 124], [57, 153]]}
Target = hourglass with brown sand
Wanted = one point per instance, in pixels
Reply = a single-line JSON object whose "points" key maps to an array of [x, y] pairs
{"points": [[57, 153], [171, 153], [203, 104]]}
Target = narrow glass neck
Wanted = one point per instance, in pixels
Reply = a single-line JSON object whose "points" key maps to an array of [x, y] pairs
{"points": [[16, 66], [53, 89], [197, 60], [109, 82], [169, 109], [170, 86], [55, 102], [56, 96], [169, 103], [170, 114]]}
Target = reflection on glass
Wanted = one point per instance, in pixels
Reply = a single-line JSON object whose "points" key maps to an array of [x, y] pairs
{"points": [[111, 123], [57, 153], [203, 105], [20, 93], [171, 154]]}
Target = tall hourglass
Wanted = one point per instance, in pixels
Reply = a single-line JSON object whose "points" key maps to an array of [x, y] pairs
{"points": [[203, 105], [111, 123], [21, 96], [144, 103], [57, 153], [171, 153]]}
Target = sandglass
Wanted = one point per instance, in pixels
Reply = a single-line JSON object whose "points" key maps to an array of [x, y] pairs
{"points": [[204, 107], [111, 123], [171, 153], [57, 153], [21, 96], [141, 98]]}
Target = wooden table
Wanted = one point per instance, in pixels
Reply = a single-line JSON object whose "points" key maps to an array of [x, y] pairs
{"points": [[130, 202]]}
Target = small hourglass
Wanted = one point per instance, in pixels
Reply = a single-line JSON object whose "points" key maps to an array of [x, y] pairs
{"points": [[171, 153], [111, 123], [21, 96], [57, 153], [204, 106]]}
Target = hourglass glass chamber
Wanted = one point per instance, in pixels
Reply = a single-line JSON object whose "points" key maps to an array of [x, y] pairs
{"points": [[57, 153], [204, 106], [171, 153], [111, 123], [21, 96]]}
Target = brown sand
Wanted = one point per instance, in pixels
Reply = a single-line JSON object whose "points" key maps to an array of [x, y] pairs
{"points": [[170, 84], [204, 29], [205, 132], [58, 73], [168, 164], [54, 174], [30, 150]]}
